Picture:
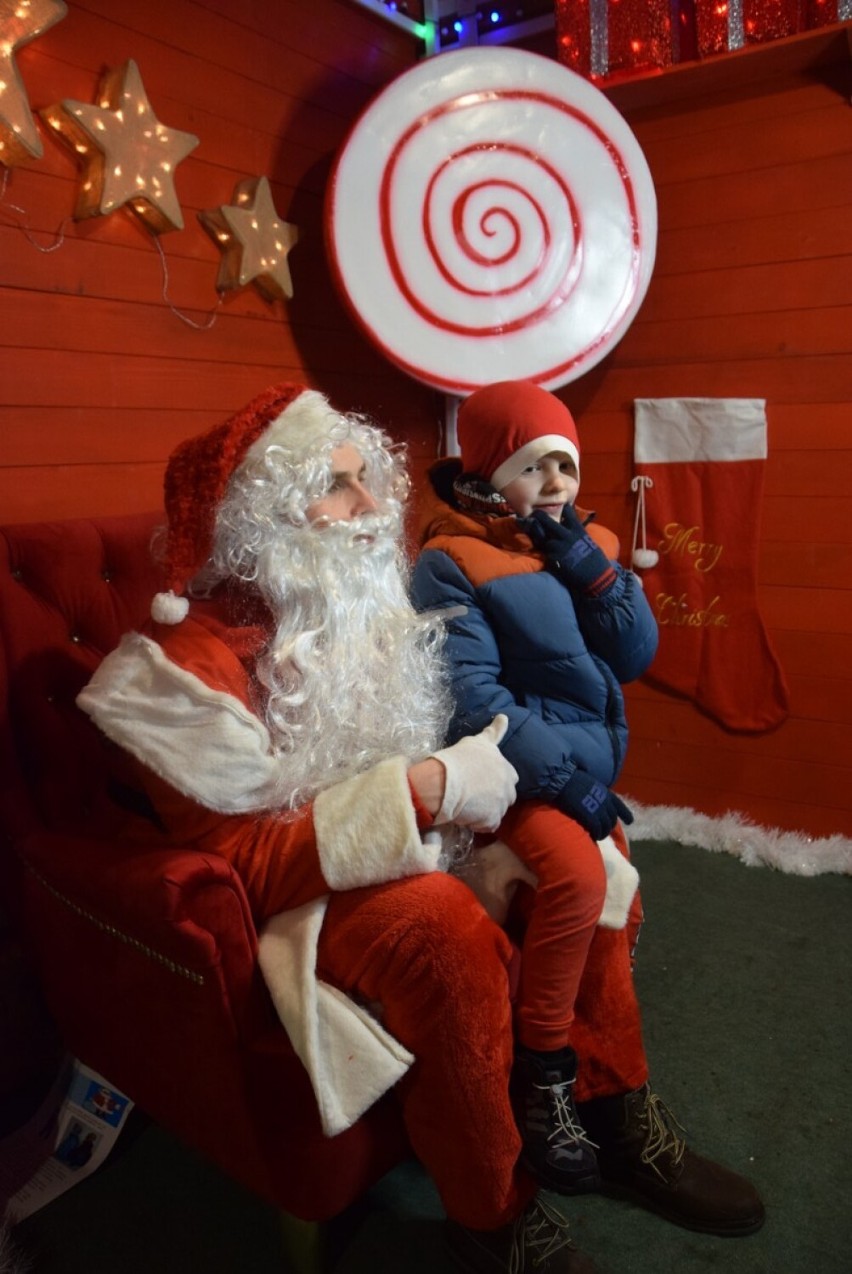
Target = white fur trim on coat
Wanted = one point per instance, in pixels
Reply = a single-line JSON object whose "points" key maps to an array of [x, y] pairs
{"points": [[366, 829], [350, 1059], [203, 742], [622, 881], [209, 746]]}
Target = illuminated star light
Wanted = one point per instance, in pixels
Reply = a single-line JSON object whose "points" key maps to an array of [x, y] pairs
{"points": [[20, 22], [253, 242], [129, 157]]}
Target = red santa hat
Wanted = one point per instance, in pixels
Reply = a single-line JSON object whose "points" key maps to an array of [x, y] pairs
{"points": [[197, 476], [504, 427]]}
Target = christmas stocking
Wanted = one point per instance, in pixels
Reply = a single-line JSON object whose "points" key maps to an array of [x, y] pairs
{"points": [[705, 458]]}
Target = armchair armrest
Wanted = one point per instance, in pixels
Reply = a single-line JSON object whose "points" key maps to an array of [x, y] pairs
{"points": [[182, 911]]}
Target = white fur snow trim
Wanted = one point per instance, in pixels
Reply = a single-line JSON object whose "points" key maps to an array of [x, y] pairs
{"points": [[622, 881], [168, 608], [366, 829], [350, 1059], [203, 742], [733, 833]]}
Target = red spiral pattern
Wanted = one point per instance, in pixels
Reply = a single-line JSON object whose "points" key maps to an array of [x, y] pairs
{"points": [[491, 214]]}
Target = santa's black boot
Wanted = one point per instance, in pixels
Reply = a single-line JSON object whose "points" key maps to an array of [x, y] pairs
{"points": [[556, 1150], [641, 1157]]}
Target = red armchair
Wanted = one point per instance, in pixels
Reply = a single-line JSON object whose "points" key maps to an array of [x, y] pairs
{"points": [[146, 955]]}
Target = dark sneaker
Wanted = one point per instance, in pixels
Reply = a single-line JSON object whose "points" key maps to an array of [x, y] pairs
{"points": [[556, 1149], [539, 1240], [641, 1157]]}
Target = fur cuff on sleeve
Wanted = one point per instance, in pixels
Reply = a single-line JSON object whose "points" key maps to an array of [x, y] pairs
{"points": [[367, 832]]}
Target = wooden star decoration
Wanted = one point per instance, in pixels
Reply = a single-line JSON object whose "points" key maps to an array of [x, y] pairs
{"points": [[129, 157], [20, 22], [254, 243]]}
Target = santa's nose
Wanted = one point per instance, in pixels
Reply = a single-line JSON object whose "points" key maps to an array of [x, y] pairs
{"points": [[364, 500]]}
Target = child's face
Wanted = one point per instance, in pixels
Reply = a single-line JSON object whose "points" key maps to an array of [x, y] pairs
{"points": [[549, 484]]}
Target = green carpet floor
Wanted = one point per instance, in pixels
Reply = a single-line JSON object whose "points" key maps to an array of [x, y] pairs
{"points": [[744, 976]]}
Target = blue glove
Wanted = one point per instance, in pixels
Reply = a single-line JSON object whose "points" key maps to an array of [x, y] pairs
{"points": [[569, 552], [592, 804]]}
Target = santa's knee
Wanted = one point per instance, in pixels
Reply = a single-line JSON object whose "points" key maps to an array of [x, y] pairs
{"points": [[442, 928], [446, 982], [425, 942]]}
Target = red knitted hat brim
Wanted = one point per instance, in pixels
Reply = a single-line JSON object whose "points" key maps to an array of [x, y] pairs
{"points": [[506, 426]]}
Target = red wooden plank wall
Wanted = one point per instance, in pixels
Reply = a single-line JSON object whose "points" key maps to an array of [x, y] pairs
{"points": [[98, 377], [751, 297]]}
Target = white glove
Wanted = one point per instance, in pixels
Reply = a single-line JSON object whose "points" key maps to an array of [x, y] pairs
{"points": [[481, 783]]}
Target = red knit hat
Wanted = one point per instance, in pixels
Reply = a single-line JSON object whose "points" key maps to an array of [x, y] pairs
{"points": [[197, 476], [504, 427]]}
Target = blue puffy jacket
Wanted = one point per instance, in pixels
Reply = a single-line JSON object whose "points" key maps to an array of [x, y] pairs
{"points": [[525, 645]]}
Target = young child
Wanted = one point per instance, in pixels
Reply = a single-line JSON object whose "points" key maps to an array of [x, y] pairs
{"points": [[550, 625]]}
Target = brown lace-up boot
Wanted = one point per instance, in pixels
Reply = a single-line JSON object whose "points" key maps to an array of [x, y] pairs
{"points": [[641, 1157], [538, 1242]]}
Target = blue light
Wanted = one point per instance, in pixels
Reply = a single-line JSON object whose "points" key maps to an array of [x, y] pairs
{"points": [[458, 27], [495, 16]]}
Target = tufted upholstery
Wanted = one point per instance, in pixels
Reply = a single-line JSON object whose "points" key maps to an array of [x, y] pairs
{"points": [[146, 954], [67, 593]]}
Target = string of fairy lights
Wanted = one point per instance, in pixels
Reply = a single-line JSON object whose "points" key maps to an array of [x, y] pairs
{"points": [[448, 24], [128, 160]]}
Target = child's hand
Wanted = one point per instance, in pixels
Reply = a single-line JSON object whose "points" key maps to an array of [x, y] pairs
{"points": [[569, 552], [592, 804]]}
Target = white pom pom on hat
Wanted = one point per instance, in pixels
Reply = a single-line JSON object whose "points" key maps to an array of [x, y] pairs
{"points": [[168, 608]]}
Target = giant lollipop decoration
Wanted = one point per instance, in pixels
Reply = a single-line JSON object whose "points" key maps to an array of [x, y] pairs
{"points": [[492, 216]]}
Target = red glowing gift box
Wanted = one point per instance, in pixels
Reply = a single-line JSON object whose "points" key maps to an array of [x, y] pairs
{"points": [[606, 39], [722, 25]]}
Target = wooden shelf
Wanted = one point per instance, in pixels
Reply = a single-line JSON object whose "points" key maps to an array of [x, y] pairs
{"points": [[741, 72]]}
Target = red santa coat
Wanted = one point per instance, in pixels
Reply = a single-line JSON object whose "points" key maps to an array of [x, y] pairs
{"points": [[183, 702]]}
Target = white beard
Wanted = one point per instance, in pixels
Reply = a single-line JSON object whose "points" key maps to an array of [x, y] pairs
{"points": [[353, 675]]}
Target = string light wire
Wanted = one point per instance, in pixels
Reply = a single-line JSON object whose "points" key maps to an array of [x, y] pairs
{"points": [[22, 220], [184, 318]]}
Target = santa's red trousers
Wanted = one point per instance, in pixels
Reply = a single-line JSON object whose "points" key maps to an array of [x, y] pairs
{"points": [[426, 951]]}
